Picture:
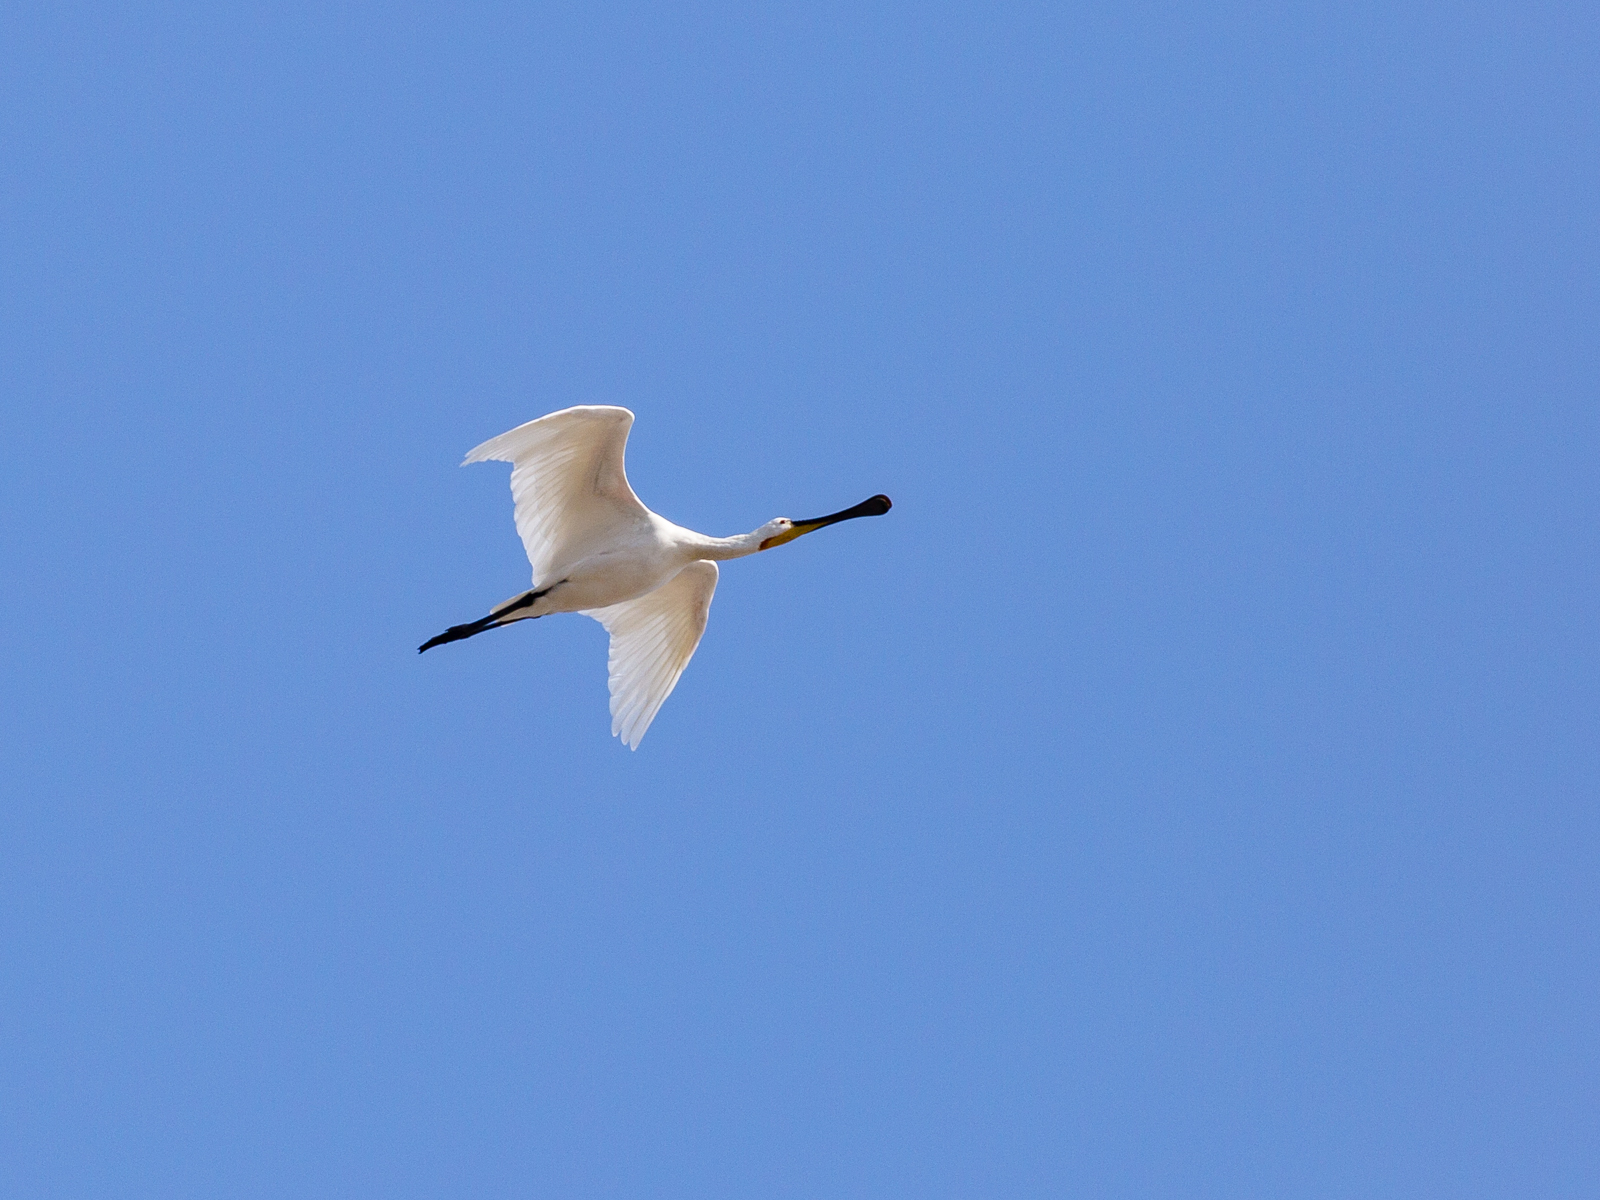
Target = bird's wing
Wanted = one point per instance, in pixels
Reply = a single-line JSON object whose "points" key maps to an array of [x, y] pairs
{"points": [[567, 479], [652, 639]]}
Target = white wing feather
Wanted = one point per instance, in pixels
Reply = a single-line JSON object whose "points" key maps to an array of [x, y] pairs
{"points": [[567, 480], [653, 638]]}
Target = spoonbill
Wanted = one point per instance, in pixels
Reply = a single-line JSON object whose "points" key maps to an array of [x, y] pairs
{"points": [[598, 551]]}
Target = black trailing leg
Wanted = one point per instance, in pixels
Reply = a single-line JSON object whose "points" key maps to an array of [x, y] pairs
{"points": [[456, 632]]}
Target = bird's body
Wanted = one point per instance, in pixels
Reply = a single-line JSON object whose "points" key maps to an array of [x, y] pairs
{"points": [[597, 550], [645, 556]]}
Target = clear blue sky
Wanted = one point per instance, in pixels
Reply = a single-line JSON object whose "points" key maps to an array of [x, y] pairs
{"points": [[1188, 790]]}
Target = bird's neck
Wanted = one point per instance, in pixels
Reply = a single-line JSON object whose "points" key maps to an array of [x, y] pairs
{"points": [[722, 549]]}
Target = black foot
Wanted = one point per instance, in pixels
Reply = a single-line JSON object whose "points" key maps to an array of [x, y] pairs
{"points": [[456, 632]]}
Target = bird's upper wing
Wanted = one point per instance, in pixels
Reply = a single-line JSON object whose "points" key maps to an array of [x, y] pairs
{"points": [[568, 482], [652, 639]]}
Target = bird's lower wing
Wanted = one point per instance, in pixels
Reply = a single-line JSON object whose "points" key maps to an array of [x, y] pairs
{"points": [[568, 483], [652, 640]]}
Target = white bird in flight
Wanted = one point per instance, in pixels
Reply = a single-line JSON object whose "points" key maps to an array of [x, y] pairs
{"points": [[598, 551]]}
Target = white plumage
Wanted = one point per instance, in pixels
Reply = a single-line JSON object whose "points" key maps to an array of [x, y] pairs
{"points": [[597, 550], [652, 640]]}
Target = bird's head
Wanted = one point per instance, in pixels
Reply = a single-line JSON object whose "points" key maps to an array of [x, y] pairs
{"points": [[781, 529]]}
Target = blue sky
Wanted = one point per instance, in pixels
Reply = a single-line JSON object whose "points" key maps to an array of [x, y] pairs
{"points": [[1187, 790]]}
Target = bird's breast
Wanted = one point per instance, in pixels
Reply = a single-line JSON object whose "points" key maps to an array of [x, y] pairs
{"points": [[611, 576]]}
